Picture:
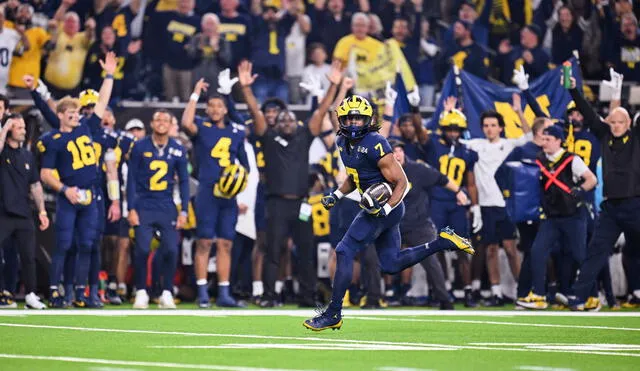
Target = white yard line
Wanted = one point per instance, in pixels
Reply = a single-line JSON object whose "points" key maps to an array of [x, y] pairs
{"points": [[496, 323], [112, 362], [308, 312]]}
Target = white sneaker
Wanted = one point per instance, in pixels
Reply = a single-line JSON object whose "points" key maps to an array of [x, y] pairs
{"points": [[166, 301], [142, 300], [32, 301]]}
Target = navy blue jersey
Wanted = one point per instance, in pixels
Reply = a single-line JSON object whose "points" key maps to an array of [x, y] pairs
{"points": [[587, 146], [361, 159], [473, 58], [452, 161], [72, 154], [216, 148], [268, 53], [152, 175], [119, 19], [101, 143], [513, 60], [237, 31]]}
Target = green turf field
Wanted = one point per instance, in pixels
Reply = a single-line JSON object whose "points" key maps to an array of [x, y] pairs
{"points": [[385, 340]]}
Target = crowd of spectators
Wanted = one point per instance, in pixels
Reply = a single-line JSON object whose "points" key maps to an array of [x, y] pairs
{"points": [[164, 46]]}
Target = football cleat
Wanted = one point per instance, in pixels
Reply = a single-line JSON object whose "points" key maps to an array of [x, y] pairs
{"points": [[324, 321], [56, 300], [346, 301], [229, 302], [533, 301], [469, 301], [32, 301], [459, 242], [166, 301], [113, 298], [6, 300], [142, 300], [575, 304], [593, 304], [494, 301], [632, 302]]}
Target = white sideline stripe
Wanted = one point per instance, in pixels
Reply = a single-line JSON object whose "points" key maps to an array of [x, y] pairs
{"points": [[542, 368], [344, 341], [201, 334], [497, 323], [307, 346], [308, 312], [137, 363]]}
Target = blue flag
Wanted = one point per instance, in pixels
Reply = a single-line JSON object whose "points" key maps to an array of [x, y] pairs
{"points": [[401, 105], [476, 95]]}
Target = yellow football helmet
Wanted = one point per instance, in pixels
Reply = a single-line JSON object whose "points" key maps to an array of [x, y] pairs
{"points": [[454, 119], [354, 106], [88, 97], [232, 181]]}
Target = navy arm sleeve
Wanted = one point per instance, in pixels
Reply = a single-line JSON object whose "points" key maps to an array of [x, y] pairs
{"points": [[533, 103], [242, 156], [233, 114], [591, 119], [46, 111], [183, 177], [132, 173], [432, 177]]}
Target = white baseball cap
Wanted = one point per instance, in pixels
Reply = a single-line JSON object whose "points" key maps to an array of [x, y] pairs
{"points": [[134, 124]]}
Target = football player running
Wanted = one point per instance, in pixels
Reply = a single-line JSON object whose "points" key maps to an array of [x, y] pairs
{"points": [[369, 160]]}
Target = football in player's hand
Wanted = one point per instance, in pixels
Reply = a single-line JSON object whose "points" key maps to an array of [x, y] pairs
{"points": [[380, 192]]}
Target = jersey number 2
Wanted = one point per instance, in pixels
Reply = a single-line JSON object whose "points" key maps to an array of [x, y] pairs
{"points": [[155, 182], [82, 152]]}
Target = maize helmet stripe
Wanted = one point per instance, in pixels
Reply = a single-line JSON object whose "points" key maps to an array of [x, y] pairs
{"points": [[227, 178], [240, 183]]}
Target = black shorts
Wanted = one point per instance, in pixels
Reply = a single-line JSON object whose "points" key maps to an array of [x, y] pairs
{"points": [[418, 235], [496, 226]]}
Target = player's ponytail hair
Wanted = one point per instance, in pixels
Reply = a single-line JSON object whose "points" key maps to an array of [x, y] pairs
{"points": [[66, 103]]}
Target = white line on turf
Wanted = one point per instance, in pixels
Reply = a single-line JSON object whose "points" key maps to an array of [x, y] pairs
{"points": [[542, 368], [308, 312], [392, 368], [496, 323], [308, 346], [317, 339], [137, 363]]}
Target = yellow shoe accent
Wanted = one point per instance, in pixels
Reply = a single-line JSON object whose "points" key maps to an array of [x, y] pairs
{"points": [[346, 301], [533, 301], [334, 327], [593, 304], [559, 307], [629, 305], [383, 303], [461, 243]]}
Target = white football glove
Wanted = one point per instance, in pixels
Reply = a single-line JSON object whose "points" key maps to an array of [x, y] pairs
{"points": [[313, 86], [225, 82], [476, 225], [43, 90], [521, 79], [390, 95], [414, 97], [429, 48], [615, 84]]}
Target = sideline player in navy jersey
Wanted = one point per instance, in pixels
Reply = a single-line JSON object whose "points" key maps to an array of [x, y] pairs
{"points": [[153, 165], [218, 143], [368, 159], [70, 150], [454, 160]]}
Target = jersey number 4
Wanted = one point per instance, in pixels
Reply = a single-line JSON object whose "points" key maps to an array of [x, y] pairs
{"points": [[82, 152], [157, 182], [221, 152]]}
